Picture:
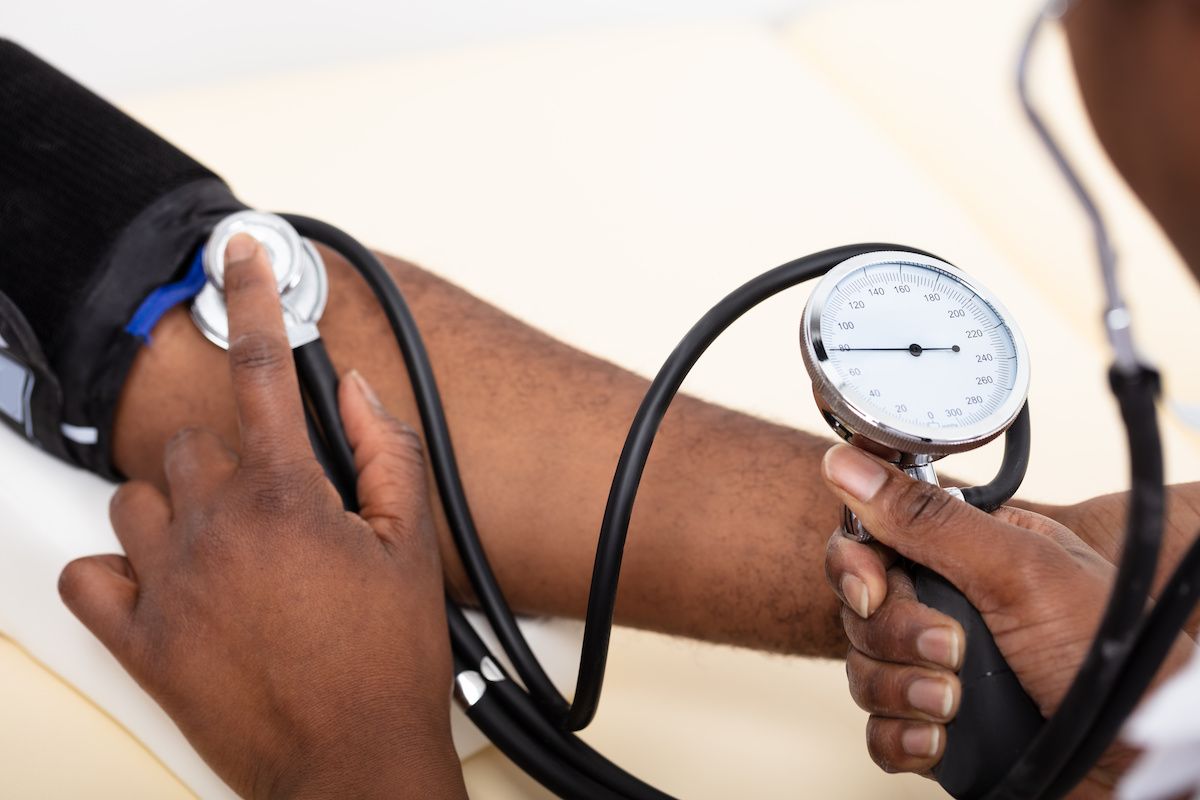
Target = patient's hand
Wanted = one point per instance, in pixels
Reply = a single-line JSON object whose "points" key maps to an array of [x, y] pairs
{"points": [[1038, 587], [301, 649]]}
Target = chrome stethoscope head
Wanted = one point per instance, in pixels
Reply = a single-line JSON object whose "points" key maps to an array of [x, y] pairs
{"points": [[299, 270]]}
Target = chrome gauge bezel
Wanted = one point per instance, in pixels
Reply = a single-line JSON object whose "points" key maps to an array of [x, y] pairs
{"points": [[860, 425]]}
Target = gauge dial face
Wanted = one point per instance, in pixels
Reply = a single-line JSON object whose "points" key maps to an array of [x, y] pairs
{"points": [[911, 345]]}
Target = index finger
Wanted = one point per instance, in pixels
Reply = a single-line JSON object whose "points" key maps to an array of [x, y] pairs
{"points": [[857, 572], [265, 388]]}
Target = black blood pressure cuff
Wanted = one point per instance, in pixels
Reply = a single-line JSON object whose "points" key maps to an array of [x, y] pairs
{"points": [[96, 213]]}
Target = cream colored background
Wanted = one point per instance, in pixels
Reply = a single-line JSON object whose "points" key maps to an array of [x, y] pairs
{"points": [[608, 187]]}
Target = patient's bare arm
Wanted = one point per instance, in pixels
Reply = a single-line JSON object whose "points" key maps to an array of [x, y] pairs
{"points": [[730, 528]]}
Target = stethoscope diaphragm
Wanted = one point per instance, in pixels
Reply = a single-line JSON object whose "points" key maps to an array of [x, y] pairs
{"points": [[299, 276]]}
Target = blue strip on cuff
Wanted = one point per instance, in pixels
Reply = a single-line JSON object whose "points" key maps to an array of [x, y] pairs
{"points": [[166, 297]]}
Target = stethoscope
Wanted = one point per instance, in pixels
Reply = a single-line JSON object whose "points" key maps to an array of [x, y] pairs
{"points": [[999, 746]]}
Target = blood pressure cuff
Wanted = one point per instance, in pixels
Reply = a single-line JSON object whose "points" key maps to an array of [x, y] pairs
{"points": [[96, 212]]}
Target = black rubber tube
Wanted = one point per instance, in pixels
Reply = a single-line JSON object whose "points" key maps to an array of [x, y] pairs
{"points": [[442, 459], [998, 491], [1063, 734], [615, 527], [489, 715], [522, 712], [319, 383], [335, 475]]}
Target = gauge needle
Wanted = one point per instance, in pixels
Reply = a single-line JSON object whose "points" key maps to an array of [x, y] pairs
{"points": [[914, 349]]}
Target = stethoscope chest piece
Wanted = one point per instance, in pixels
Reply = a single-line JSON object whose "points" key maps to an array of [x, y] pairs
{"points": [[300, 277]]}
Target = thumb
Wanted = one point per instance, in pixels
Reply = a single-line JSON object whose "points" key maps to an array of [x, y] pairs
{"points": [[921, 521], [102, 592], [392, 493]]}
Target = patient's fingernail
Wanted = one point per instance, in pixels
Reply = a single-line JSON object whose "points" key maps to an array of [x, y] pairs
{"points": [[365, 388], [931, 695], [941, 646], [921, 741], [854, 471], [240, 248], [854, 592]]}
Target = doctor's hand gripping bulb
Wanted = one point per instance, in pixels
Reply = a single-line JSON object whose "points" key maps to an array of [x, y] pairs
{"points": [[911, 360]]}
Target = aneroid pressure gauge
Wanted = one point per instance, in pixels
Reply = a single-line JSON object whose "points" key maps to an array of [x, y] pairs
{"points": [[912, 360]]}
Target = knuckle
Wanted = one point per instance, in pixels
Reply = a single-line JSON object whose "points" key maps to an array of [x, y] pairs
{"points": [[869, 636], [864, 678], [257, 353], [833, 570], [405, 442], [917, 503], [119, 500], [129, 501], [70, 581], [850, 624], [880, 745], [270, 497], [863, 633], [186, 444], [836, 557], [884, 631], [402, 465], [881, 690], [206, 522], [284, 488], [398, 527], [900, 584], [184, 437]]}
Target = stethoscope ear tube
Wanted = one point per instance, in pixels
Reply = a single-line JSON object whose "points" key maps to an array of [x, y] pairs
{"points": [[1130, 645]]}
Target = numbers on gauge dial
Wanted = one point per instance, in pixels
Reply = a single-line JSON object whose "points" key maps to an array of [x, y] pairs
{"points": [[917, 348]]}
